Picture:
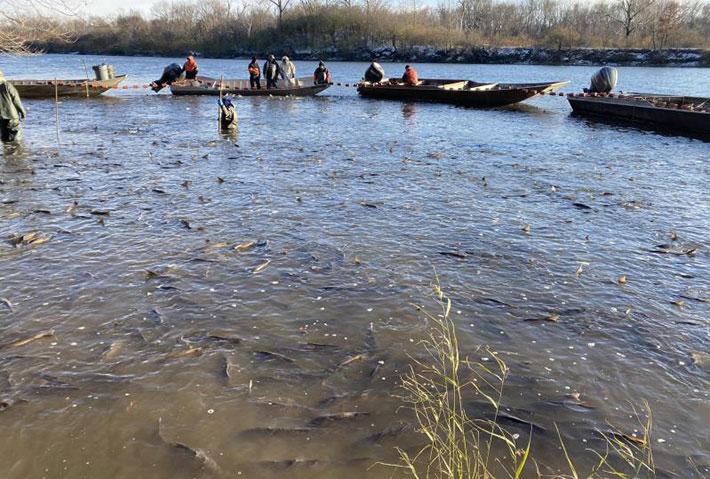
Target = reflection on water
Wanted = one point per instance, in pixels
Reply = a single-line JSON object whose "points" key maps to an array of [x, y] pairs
{"points": [[181, 304]]}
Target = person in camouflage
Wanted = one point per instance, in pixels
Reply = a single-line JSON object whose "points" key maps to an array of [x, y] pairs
{"points": [[11, 112]]}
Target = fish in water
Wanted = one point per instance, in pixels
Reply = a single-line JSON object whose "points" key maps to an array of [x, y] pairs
{"points": [[211, 337], [186, 353], [262, 266], [281, 465], [271, 356], [198, 454], [7, 303], [700, 359], [581, 206], [276, 432], [674, 249], [32, 238], [247, 245], [455, 254], [336, 417], [113, 350], [227, 369], [377, 437], [553, 318], [350, 360], [32, 339]]}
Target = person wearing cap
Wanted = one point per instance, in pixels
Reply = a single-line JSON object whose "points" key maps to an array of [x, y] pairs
{"points": [[288, 72], [410, 76], [321, 76], [11, 111], [271, 72], [190, 68], [227, 115], [254, 74]]}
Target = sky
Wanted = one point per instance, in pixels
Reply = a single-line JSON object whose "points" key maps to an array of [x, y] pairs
{"points": [[111, 7], [107, 7]]}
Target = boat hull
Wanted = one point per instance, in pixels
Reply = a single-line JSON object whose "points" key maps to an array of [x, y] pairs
{"points": [[65, 88], [214, 87], [637, 111], [470, 94]]}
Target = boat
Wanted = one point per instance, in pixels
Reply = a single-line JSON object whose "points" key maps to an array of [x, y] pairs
{"points": [[215, 86], [459, 92], [681, 114], [65, 88]]}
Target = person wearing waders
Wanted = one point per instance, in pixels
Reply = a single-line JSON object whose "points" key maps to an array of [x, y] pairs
{"points": [[271, 72], [227, 115], [288, 72], [11, 112], [254, 74]]}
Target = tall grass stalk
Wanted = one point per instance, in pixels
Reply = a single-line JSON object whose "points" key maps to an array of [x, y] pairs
{"points": [[459, 446]]}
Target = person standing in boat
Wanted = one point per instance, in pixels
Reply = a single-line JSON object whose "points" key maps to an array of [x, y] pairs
{"points": [[271, 72], [410, 76], [288, 72], [321, 76], [11, 112], [190, 68], [254, 74]]}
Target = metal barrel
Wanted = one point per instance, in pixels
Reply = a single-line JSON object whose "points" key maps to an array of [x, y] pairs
{"points": [[101, 71]]}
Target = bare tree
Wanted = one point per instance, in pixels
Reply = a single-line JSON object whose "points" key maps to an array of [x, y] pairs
{"points": [[281, 6], [23, 22], [629, 13]]}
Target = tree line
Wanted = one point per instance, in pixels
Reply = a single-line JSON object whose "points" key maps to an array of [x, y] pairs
{"points": [[333, 28]]}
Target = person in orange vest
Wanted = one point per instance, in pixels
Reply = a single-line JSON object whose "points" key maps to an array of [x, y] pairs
{"points": [[254, 74], [410, 76], [190, 68]]}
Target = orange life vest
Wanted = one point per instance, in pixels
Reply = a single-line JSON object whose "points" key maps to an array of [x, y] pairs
{"points": [[254, 70], [410, 77], [190, 65]]}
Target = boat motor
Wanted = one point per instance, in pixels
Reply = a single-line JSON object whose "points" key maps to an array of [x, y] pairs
{"points": [[603, 81], [375, 73]]}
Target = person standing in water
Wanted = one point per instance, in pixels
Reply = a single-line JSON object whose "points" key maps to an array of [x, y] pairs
{"points": [[227, 115], [254, 74], [11, 111]]}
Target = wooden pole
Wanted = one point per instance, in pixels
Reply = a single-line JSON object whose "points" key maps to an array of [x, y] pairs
{"points": [[219, 113], [86, 72], [56, 105]]}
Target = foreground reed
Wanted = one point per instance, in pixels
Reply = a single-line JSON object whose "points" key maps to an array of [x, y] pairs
{"points": [[458, 446]]}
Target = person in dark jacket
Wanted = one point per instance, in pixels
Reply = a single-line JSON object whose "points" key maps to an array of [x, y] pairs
{"points": [[11, 112], [321, 76], [254, 74], [272, 71], [170, 74]]}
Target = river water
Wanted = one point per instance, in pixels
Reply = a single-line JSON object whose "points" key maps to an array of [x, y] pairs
{"points": [[162, 333]]}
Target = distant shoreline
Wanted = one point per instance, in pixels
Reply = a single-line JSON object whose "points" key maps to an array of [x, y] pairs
{"points": [[675, 57]]}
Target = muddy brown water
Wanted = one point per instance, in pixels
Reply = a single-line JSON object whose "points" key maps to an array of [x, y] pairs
{"points": [[166, 340]]}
